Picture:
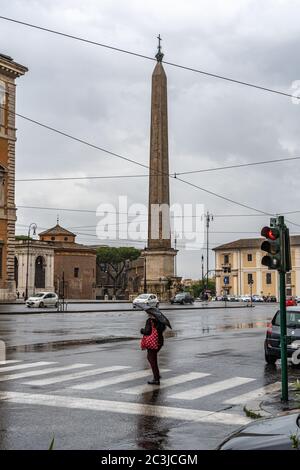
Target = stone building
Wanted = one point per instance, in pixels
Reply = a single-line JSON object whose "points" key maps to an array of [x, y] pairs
{"points": [[74, 264], [34, 266], [238, 263], [9, 71]]}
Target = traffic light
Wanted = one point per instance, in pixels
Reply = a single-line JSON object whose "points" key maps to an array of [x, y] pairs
{"points": [[277, 245], [272, 246]]}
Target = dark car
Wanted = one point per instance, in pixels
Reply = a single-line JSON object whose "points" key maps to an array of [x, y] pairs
{"points": [[281, 433], [272, 341], [182, 298]]}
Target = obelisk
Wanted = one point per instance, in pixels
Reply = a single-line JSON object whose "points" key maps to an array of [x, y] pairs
{"points": [[159, 254]]}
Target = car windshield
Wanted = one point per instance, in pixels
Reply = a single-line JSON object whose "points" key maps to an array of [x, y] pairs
{"points": [[143, 296], [40, 294], [180, 295], [292, 319]]}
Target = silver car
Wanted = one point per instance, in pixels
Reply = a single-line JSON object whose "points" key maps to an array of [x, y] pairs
{"points": [[43, 299], [150, 300]]}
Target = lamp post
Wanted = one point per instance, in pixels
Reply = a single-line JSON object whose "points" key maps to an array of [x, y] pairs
{"points": [[34, 227], [202, 273]]}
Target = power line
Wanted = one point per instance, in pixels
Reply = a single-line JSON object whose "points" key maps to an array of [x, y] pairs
{"points": [[239, 165], [173, 175], [135, 162], [117, 49]]}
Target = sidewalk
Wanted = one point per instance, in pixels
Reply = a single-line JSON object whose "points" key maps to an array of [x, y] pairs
{"points": [[270, 404]]}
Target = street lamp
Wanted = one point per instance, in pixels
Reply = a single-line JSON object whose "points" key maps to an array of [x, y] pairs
{"points": [[32, 226]]}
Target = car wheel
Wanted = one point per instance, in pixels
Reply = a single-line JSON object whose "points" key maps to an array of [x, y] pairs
{"points": [[182, 302], [157, 305], [270, 359], [41, 305]]}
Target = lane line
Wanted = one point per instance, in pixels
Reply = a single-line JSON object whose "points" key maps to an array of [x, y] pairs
{"points": [[179, 379], [215, 387], [91, 404], [114, 380], [26, 366], [259, 392], [77, 375], [33, 373], [8, 362]]}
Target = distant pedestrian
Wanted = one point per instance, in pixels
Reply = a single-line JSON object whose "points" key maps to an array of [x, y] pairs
{"points": [[18, 294], [153, 332]]}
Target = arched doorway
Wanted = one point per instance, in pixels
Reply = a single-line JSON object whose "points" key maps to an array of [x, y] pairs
{"points": [[39, 276], [16, 271]]}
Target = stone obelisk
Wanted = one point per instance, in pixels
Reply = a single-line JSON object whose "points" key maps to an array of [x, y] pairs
{"points": [[159, 254]]}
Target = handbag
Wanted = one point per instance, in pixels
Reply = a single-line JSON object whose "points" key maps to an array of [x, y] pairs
{"points": [[151, 341]]}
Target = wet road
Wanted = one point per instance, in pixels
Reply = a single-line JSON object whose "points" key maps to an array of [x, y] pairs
{"points": [[94, 396]]}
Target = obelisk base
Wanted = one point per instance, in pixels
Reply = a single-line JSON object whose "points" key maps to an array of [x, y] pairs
{"points": [[160, 276]]}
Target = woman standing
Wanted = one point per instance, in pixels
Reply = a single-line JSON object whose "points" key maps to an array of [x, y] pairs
{"points": [[153, 322]]}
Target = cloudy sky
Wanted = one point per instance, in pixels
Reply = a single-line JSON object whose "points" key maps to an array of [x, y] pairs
{"points": [[103, 97]]}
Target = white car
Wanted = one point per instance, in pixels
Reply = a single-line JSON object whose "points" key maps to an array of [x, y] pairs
{"points": [[245, 298], [146, 299], [43, 299]]}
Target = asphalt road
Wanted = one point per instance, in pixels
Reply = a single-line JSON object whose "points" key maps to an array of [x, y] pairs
{"points": [[95, 395]]}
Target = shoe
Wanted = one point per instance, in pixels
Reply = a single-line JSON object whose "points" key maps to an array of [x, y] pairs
{"points": [[154, 382]]}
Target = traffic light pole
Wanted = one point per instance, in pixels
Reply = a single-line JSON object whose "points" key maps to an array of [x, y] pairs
{"points": [[283, 345], [283, 330]]}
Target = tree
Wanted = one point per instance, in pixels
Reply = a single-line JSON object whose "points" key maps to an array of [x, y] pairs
{"points": [[113, 260], [197, 288]]}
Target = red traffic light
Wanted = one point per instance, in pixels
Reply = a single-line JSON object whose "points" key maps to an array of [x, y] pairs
{"points": [[270, 233]]}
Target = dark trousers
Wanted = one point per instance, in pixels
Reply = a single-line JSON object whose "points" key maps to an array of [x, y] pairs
{"points": [[152, 358]]}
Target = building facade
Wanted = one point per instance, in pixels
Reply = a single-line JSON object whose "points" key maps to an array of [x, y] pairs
{"points": [[239, 270], [34, 267], [74, 264], [9, 71]]}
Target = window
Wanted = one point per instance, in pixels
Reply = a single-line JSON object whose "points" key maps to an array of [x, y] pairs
{"points": [[2, 187], [2, 104], [268, 278], [52, 238], [249, 257], [66, 239], [76, 272], [250, 279], [226, 259]]}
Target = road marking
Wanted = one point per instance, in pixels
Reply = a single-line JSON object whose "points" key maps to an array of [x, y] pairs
{"points": [[215, 387], [33, 373], [245, 397], [77, 375], [92, 404], [113, 380], [8, 362], [179, 379], [25, 366]]}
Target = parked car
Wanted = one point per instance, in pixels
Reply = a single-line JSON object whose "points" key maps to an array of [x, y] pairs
{"points": [[257, 298], [182, 298], [146, 299], [43, 299], [291, 302], [266, 434], [297, 298], [272, 298], [245, 298], [272, 341]]}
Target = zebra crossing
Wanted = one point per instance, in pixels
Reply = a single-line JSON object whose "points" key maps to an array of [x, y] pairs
{"points": [[55, 385]]}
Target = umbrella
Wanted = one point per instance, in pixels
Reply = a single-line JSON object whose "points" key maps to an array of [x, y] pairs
{"points": [[157, 314]]}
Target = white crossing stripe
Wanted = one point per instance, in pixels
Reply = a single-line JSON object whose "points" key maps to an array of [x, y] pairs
{"points": [[76, 375], [8, 362], [245, 397], [215, 387], [179, 379], [124, 407], [26, 366], [32, 373], [113, 380]]}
